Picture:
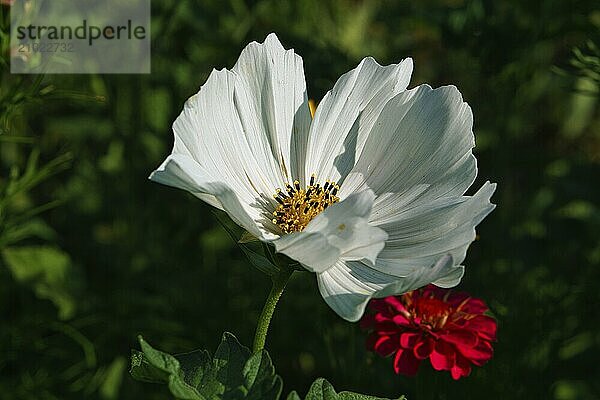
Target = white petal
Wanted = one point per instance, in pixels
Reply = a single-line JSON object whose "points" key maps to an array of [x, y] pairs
{"points": [[419, 147], [420, 235], [243, 125], [182, 172], [273, 105], [443, 270], [341, 232], [208, 130], [452, 279], [348, 286], [347, 114]]}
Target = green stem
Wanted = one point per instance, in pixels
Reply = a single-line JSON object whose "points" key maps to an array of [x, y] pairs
{"points": [[279, 282]]}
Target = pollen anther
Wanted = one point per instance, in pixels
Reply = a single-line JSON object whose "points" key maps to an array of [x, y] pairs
{"points": [[300, 205]]}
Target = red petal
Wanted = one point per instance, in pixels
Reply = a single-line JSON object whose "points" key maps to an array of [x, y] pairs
{"points": [[423, 349], [395, 302], [406, 363], [474, 306], [461, 368], [427, 291], [456, 298], [401, 320], [443, 356], [408, 340], [484, 326], [478, 355], [460, 337], [433, 291], [383, 345], [381, 318]]}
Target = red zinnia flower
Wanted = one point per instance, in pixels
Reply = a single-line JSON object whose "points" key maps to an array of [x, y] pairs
{"points": [[447, 327]]}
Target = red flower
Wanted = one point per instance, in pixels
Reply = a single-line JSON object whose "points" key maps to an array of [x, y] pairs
{"points": [[449, 328]]}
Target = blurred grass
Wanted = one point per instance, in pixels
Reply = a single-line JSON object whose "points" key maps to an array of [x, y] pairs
{"points": [[129, 256]]}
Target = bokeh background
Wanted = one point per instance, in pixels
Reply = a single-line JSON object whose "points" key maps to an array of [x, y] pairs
{"points": [[93, 254]]}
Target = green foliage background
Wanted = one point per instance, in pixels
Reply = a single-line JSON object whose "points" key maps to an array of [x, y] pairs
{"points": [[92, 253]]}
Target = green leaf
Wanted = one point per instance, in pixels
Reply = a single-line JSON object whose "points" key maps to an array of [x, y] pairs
{"points": [[142, 370], [48, 271], [356, 396], [260, 380], [181, 390], [155, 366], [229, 361], [233, 374], [323, 390], [196, 367]]}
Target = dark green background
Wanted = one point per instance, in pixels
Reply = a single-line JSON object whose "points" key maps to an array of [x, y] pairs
{"points": [[119, 256]]}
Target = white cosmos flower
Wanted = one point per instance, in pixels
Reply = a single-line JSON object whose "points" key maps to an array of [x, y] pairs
{"points": [[375, 200]]}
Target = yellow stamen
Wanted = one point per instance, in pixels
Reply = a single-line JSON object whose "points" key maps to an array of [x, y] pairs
{"points": [[298, 206], [312, 106]]}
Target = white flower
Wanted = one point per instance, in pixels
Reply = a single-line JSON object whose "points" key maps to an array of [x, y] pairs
{"points": [[374, 202]]}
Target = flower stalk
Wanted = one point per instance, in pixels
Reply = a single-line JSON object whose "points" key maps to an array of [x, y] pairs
{"points": [[279, 281]]}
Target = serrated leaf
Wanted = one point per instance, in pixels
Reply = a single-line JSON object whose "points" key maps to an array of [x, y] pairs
{"points": [[163, 361], [151, 365], [143, 371], [293, 396], [323, 390], [229, 361], [233, 374], [196, 368], [260, 380], [181, 390], [356, 396]]}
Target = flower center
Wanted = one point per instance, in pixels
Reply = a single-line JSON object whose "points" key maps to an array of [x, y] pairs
{"points": [[298, 206], [431, 311]]}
